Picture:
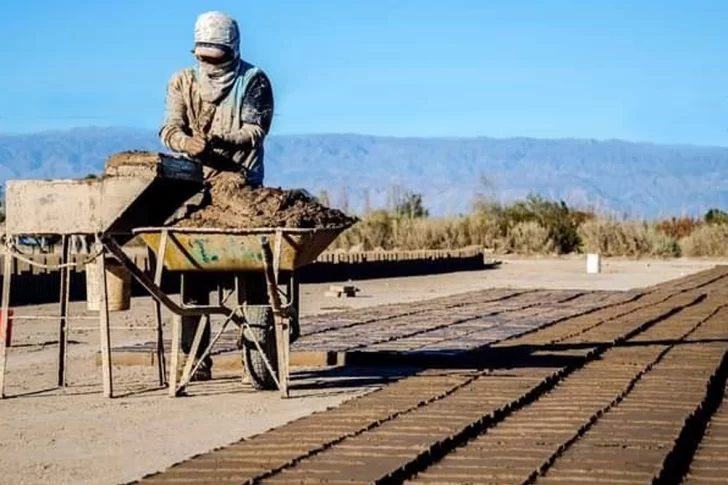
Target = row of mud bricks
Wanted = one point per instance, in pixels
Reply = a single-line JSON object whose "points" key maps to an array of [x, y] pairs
{"points": [[620, 394]]}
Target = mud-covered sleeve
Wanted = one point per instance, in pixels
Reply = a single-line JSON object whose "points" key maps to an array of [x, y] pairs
{"points": [[258, 103], [256, 113], [175, 128]]}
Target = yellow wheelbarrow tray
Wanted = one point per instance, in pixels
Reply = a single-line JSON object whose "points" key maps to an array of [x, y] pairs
{"points": [[212, 249]]}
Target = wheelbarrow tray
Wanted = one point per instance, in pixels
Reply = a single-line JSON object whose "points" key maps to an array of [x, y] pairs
{"points": [[203, 249]]}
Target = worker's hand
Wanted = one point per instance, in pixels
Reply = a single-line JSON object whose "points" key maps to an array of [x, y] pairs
{"points": [[194, 146]]}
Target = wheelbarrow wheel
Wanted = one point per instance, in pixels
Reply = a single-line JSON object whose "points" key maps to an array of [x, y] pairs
{"points": [[260, 320]]}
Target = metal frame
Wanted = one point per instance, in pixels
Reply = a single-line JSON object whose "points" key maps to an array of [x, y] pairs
{"points": [[281, 313], [105, 246]]}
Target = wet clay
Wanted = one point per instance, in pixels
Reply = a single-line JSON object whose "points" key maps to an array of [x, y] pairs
{"points": [[233, 205], [230, 204]]}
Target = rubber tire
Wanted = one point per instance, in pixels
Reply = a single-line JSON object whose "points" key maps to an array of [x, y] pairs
{"points": [[260, 319]]}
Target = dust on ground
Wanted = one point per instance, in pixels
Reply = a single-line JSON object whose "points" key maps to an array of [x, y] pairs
{"points": [[233, 205]]}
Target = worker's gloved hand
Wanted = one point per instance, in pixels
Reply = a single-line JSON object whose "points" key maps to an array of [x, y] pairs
{"points": [[194, 146]]}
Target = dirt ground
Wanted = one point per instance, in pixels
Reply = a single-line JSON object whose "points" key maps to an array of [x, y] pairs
{"points": [[76, 436]]}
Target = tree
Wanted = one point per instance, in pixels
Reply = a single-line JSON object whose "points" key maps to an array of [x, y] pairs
{"points": [[716, 216], [410, 206]]}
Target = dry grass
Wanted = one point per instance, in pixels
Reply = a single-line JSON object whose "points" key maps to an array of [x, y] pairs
{"points": [[539, 226], [707, 240], [626, 238]]}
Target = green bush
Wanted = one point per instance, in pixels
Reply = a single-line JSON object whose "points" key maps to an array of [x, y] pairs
{"points": [[716, 216], [534, 226]]}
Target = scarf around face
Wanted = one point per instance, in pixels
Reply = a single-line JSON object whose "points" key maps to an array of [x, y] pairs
{"points": [[216, 80]]}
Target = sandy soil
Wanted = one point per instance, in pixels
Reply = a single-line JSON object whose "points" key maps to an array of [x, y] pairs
{"points": [[76, 436]]}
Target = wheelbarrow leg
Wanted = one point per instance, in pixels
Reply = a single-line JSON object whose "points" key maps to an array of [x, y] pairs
{"points": [[283, 344], [283, 341], [192, 356], [176, 337], [159, 268]]}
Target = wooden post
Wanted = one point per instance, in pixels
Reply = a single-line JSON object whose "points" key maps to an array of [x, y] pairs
{"points": [[192, 356], [104, 330], [176, 334], [63, 325], [282, 322], [161, 251], [7, 274], [283, 337]]}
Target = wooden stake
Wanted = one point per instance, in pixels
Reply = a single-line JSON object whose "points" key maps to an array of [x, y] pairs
{"points": [[63, 325], [201, 325], [104, 331], [282, 344], [161, 251], [7, 273], [176, 333]]}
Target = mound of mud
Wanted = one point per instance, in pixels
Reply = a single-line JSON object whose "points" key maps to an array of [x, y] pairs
{"points": [[232, 205]]}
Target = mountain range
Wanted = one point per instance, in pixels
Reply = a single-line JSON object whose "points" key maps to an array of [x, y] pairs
{"points": [[635, 179]]}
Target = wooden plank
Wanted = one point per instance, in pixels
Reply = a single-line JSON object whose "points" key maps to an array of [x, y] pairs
{"points": [[104, 332], [228, 361], [192, 356], [161, 251], [283, 347], [174, 361], [65, 274], [7, 265]]}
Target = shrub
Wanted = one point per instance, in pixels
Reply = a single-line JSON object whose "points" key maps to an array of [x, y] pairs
{"points": [[678, 228], [629, 238], [528, 238], [410, 206], [716, 216], [707, 240]]}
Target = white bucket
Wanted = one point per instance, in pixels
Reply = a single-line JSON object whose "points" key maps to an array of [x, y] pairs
{"points": [[593, 263], [118, 286]]}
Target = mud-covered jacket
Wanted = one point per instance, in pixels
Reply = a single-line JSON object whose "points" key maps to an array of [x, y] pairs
{"points": [[235, 127]]}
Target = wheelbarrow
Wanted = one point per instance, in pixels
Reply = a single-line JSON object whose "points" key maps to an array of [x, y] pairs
{"points": [[137, 199], [263, 256]]}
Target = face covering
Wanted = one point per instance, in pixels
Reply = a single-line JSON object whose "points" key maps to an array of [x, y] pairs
{"points": [[216, 80]]}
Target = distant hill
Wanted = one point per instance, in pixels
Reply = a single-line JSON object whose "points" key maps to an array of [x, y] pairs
{"points": [[638, 178]]}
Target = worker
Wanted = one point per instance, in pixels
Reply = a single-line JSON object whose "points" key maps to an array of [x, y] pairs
{"points": [[218, 112]]}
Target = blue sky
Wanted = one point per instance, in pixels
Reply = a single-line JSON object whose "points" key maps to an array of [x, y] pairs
{"points": [[652, 70]]}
